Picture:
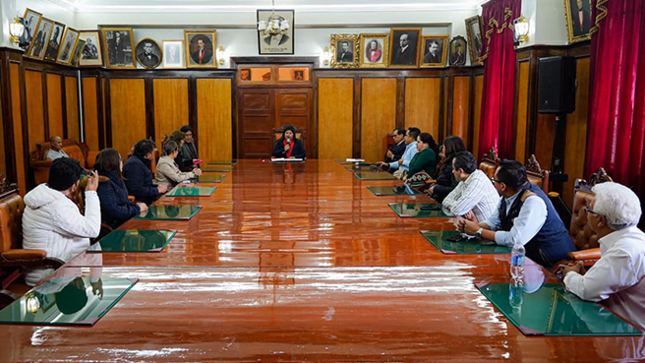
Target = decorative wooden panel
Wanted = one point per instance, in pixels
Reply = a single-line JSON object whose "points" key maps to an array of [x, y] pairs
{"points": [[214, 113], [294, 106], [128, 113], [90, 113], [461, 107], [422, 104], [378, 115], [335, 117], [14, 70], [522, 112], [544, 139], [256, 120], [3, 155], [35, 112], [54, 105], [477, 112], [71, 99], [171, 105]]}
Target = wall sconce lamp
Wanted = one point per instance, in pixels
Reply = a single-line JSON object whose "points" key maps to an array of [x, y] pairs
{"points": [[521, 29], [221, 55], [16, 29], [326, 56]]}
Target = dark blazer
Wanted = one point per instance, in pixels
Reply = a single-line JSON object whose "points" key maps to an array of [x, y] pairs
{"points": [[397, 150], [187, 153], [208, 55], [298, 149], [404, 57], [138, 180], [446, 182], [115, 206]]}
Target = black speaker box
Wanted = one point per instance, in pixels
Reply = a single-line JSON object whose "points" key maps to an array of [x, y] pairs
{"points": [[556, 85]]}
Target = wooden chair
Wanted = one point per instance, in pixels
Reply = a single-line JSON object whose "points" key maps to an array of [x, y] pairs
{"points": [[490, 162], [300, 134], [74, 149], [536, 175]]}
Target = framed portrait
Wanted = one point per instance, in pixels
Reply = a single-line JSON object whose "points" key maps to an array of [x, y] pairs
{"points": [[77, 53], [474, 34], [54, 41], [434, 52], [374, 50], [39, 43], [578, 18], [200, 48], [299, 75], [279, 43], [148, 53], [173, 51], [344, 50], [458, 47], [404, 49], [118, 44], [91, 54], [67, 46], [30, 20]]}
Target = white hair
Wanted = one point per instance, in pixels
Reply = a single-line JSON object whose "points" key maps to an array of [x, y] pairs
{"points": [[618, 204]]}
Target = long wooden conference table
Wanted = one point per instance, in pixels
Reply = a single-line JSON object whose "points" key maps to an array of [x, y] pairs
{"points": [[301, 262]]}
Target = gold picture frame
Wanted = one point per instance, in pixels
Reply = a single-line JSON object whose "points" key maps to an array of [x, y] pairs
{"points": [[38, 45], [67, 46], [474, 34], [117, 53], [370, 57], [577, 31], [404, 55], [344, 55], [429, 60], [209, 53], [30, 28]]}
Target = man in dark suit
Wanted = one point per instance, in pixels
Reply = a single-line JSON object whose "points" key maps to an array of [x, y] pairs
{"points": [[201, 55], [275, 40], [404, 54], [398, 148], [52, 48], [580, 18], [344, 54], [458, 57], [147, 58], [434, 53]]}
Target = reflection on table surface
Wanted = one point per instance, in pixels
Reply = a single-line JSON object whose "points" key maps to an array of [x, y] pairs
{"points": [[210, 178], [171, 212], [191, 191], [418, 210], [387, 190], [440, 239], [133, 240]]}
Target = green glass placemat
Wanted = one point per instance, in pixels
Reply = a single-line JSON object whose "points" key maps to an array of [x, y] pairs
{"points": [[222, 162], [390, 190], [135, 240], [170, 212], [367, 167], [184, 191], [370, 175], [217, 169], [66, 300], [438, 239], [552, 311], [209, 178], [413, 210]]}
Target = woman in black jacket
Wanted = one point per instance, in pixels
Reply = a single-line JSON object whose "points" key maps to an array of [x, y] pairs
{"points": [[288, 146], [446, 182]]}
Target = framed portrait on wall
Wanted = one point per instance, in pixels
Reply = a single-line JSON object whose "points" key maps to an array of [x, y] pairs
{"points": [[458, 47], [67, 46], [118, 46], [148, 53], [39, 43], [578, 19], [282, 42], [91, 54], [173, 53], [54, 41], [434, 52], [30, 20], [374, 50], [404, 52], [200, 48], [474, 34], [344, 51], [77, 53]]}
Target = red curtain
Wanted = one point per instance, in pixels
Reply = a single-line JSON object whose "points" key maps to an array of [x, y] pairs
{"points": [[498, 100], [616, 129]]}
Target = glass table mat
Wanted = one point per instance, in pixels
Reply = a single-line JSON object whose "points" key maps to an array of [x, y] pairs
{"points": [[170, 212], [367, 167], [222, 162], [185, 191], [413, 210], [552, 311], [135, 240], [374, 176], [216, 169], [388, 190], [209, 179], [438, 239], [67, 300]]}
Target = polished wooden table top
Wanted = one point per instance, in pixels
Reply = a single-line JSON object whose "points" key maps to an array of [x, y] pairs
{"points": [[300, 262]]}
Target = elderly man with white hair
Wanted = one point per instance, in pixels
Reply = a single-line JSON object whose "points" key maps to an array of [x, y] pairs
{"points": [[618, 277]]}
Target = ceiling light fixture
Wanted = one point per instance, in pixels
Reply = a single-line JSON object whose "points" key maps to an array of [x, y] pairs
{"points": [[275, 25]]}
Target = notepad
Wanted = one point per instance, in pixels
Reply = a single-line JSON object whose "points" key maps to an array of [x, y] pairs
{"points": [[286, 160], [350, 160]]}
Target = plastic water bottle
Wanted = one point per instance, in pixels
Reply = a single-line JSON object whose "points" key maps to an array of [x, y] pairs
{"points": [[515, 296], [517, 262]]}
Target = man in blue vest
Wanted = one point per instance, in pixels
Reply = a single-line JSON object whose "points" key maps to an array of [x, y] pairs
{"points": [[524, 213]]}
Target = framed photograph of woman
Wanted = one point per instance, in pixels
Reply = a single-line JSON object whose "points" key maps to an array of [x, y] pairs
{"points": [[54, 41], [91, 54], [404, 52], [474, 34], [277, 43], [148, 53], [38, 45], [77, 53], [458, 47], [578, 18], [374, 50], [31, 21], [118, 46], [173, 51], [434, 52], [344, 51], [67, 46], [200, 48]]}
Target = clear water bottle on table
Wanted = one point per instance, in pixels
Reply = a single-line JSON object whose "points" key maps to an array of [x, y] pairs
{"points": [[517, 262]]}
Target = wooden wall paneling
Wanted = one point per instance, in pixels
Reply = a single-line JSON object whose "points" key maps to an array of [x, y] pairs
{"points": [[446, 112], [214, 112], [522, 111], [91, 113], [477, 112], [18, 131], [5, 153], [295, 107], [335, 117], [71, 107], [357, 125], [103, 103], [423, 104], [35, 109], [400, 101], [256, 120], [378, 115], [54, 105], [461, 108], [127, 113], [170, 106], [544, 137]]}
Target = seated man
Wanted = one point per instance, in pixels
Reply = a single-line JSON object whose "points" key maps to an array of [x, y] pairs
{"points": [[137, 174], [52, 222], [524, 213], [402, 165], [56, 150], [398, 148], [619, 276], [474, 193]]}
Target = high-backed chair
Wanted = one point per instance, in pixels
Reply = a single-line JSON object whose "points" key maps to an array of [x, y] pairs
{"points": [[536, 175], [74, 149], [300, 134], [490, 162]]}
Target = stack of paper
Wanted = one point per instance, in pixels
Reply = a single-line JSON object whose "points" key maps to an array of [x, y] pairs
{"points": [[284, 159], [350, 160]]}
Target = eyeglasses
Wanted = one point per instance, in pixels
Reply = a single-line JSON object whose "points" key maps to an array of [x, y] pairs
{"points": [[492, 179], [589, 211]]}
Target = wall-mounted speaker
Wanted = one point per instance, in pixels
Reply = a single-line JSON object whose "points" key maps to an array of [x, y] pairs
{"points": [[556, 85]]}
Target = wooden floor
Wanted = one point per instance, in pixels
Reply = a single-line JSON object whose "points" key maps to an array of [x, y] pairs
{"points": [[302, 263]]}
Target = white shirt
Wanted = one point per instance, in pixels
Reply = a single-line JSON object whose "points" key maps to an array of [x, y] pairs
{"points": [[476, 193], [53, 155], [618, 277], [409, 153], [527, 224]]}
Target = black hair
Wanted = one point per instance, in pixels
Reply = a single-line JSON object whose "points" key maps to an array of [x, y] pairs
{"points": [[109, 160], [512, 173], [465, 161], [414, 132], [143, 147], [453, 144], [64, 173], [185, 129], [170, 147], [399, 131], [427, 138], [177, 136], [287, 128]]}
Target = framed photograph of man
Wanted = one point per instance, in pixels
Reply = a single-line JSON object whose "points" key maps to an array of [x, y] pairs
{"points": [[434, 52], [54, 41], [200, 48], [404, 48], [148, 53], [458, 47], [39, 43], [344, 50], [77, 53], [91, 54], [578, 18], [474, 34], [281, 43], [31, 21], [173, 51], [374, 50], [118, 46], [67, 46]]}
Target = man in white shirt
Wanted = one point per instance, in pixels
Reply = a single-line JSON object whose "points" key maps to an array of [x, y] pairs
{"points": [[403, 165], [618, 278], [56, 150]]}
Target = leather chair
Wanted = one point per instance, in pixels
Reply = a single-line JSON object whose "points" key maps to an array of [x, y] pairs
{"points": [[74, 149], [536, 175], [490, 162]]}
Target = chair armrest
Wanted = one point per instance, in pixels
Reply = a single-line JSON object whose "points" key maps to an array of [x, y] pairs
{"points": [[41, 164], [24, 257], [13, 255], [590, 254]]}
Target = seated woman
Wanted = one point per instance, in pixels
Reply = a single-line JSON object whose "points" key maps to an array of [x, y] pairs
{"points": [[288, 146], [188, 150], [182, 163], [426, 158], [446, 181], [168, 172], [113, 194]]}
